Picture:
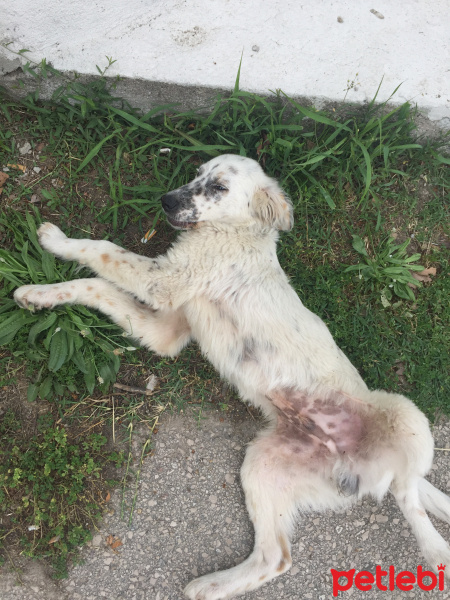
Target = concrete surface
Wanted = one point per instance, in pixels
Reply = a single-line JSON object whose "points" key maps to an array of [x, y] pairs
{"points": [[190, 519], [322, 50]]}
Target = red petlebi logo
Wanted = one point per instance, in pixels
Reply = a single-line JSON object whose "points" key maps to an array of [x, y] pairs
{"points": [[388, 580]]}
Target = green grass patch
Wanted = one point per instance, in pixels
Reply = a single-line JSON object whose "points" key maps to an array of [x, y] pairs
{"points": [[51, 484], [61, 344]]}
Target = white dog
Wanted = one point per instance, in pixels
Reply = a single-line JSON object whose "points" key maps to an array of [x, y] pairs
{"points": [[330, 440]]}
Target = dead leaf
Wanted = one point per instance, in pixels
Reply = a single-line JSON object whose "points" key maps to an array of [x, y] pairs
{"points": [[264, 142], [54, 539], [108, 497], [3, 178], [152, 382], [423, 276], [18, 167], [113, 542], [399, 368]]}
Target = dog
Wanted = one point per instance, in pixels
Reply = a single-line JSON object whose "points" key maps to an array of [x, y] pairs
{"points": [[329, 440]]}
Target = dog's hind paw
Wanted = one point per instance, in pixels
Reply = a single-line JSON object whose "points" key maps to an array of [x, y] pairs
{"points": [[209, 588]]}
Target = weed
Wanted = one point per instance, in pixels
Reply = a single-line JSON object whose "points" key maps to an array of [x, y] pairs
{"points": [[390, 267], [71, 337], [50, 486]]}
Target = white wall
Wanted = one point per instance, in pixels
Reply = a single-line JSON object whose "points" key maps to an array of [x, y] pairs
{"points": [[299, 46]]}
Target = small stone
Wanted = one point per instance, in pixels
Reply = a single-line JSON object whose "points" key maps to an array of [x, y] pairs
{"points": [[37, 169], [25, 149], [376, 13], [404, 533], [382, 519], [255, 48]]}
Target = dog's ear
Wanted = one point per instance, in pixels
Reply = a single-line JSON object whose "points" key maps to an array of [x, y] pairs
{"points": [[273, 207]]}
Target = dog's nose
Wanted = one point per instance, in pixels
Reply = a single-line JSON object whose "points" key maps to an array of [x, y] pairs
{"points": [[169, 202]]}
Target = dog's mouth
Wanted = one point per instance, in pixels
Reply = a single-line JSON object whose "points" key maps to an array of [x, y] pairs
{"points": [[181, 224]]}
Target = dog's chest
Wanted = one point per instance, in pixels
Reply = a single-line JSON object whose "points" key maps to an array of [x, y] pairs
{"points": [[220, 329], [210, 319]]}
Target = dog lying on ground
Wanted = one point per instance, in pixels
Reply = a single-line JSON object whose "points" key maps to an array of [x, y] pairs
{"points": [[329, 440]]}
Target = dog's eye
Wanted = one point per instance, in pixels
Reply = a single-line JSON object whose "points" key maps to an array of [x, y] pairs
{"points": [[219, 188]]}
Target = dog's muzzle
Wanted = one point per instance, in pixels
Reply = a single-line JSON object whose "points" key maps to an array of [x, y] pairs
{"points": [[172, 205], [170, 202]]}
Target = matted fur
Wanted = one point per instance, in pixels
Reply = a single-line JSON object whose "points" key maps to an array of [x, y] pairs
{"points": [[329, 440]]}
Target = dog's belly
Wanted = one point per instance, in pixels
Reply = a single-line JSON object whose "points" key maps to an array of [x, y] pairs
{"points": [[257, 352]]}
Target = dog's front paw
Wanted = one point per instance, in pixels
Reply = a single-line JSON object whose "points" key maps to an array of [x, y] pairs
{"points": [[36, 297], [52, 238]]}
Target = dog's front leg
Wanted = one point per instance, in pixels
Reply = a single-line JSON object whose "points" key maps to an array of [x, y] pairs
{"points": [[143, 277], [165, 332]]}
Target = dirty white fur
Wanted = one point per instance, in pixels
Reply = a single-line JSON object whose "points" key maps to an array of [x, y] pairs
{"points": [[221, 284]]}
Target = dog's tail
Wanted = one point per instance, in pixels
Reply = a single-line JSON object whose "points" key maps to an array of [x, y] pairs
{"points": [[434, 501]]}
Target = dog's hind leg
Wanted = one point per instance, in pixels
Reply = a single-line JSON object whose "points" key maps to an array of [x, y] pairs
{"points": [[434, 501], [414, 497], [164, 332], [269, 486]]}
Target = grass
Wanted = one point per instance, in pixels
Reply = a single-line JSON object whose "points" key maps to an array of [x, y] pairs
{"points": [[371, 206], [52, 482]]}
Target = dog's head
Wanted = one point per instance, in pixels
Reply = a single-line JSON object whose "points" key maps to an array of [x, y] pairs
{"points": [[233, 190]]}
